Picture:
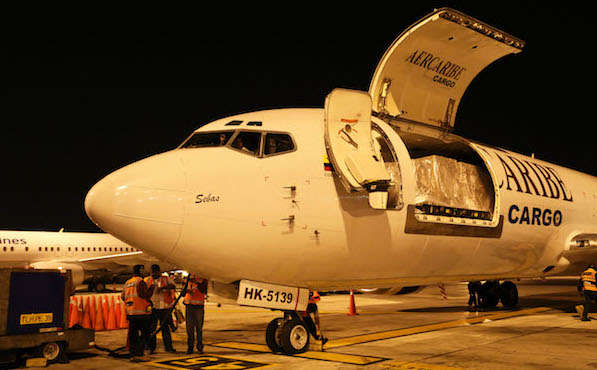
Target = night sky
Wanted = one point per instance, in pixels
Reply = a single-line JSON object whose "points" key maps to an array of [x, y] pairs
{"points": [[80, 99]]}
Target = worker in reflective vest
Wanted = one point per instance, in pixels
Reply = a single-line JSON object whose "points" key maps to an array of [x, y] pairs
{"points": [[311, 317], [136, 295], [588, 284], [162, 301], [194, 300]]}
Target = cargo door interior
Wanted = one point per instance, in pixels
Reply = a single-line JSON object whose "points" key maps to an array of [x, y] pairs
{"points": [[423, 75], [350, 148], [416, 89]]}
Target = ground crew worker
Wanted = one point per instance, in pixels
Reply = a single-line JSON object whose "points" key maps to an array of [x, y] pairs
{"points": [[136, 296], [313, 323], [588, 285], [163, 287], [194, 300]]}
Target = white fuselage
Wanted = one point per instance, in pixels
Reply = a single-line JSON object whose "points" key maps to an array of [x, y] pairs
{"points": [[228, 215], [82, 253]]}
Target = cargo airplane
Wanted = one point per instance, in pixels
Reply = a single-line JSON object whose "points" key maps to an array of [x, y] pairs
{"points": [[93, 258], [372, 191]]}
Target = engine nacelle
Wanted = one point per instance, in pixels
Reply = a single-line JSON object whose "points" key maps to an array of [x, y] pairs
{"points": [[77, 272], [393, 291]]}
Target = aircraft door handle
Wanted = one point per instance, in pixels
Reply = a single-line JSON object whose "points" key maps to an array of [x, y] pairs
{"points": [[290, 219], [292, 190]]}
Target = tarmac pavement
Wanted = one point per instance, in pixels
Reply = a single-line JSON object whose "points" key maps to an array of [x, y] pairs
{"points": [[415, 331]]}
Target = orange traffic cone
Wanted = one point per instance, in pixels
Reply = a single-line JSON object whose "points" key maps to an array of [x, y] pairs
{"points": [[124, 322], [86, 320], [105, 310], [99, 318], [92, 312], [111, 322], [73, 313], [118, 312], [74, 318], [80, 311], [352, 309]]}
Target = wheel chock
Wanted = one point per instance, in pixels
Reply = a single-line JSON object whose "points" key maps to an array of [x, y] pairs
{"points": [[36, 362]]}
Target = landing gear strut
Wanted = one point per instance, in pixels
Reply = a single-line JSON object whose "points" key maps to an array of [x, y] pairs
{"points": [[492, 292], [288, 334]]}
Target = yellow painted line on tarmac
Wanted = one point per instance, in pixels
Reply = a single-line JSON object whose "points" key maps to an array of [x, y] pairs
{"points": [[417, 366], [314, 355], [358, 339], [208, 361]]}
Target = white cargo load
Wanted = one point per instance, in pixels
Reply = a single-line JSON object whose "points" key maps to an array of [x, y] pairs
{"points": [[446, 182]]}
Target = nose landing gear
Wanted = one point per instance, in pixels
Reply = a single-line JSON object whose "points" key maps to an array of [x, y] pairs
{"points": [[287, 335]]}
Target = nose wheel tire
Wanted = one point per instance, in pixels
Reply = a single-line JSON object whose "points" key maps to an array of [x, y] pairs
{"points": [[272, 335], [294, 337]]}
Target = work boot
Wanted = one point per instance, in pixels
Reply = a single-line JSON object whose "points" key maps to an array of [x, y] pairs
{"points": [[171, 350], [189, 351], [140, 359], [580, 309]]}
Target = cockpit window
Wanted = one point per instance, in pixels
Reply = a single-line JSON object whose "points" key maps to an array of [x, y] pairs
{"points": [[260, 144], [247, 142], [277, 143], [208, 139]]}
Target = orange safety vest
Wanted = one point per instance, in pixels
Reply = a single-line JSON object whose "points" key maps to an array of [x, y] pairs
{"points": [[588, 280], [194, 296], [133, 304], [162, 281]]}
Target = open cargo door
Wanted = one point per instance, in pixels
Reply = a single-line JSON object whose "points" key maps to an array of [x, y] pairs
{"points": [[423, 75], [349, 144]]}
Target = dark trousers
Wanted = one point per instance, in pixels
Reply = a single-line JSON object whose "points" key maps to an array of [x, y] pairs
{"points": [[309, 323], [473, 290], [163, 318], [311, 327], [139, 333], [589, 297], [194, 319]]}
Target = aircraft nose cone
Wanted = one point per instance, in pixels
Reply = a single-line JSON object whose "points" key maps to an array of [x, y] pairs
{"points": [[99, 202], [142, 204]]}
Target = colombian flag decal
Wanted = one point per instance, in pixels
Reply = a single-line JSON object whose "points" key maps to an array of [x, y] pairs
{"points": [[327, 165]]}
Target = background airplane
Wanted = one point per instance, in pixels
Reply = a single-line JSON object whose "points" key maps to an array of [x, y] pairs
{"points": [[95, 259]]}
